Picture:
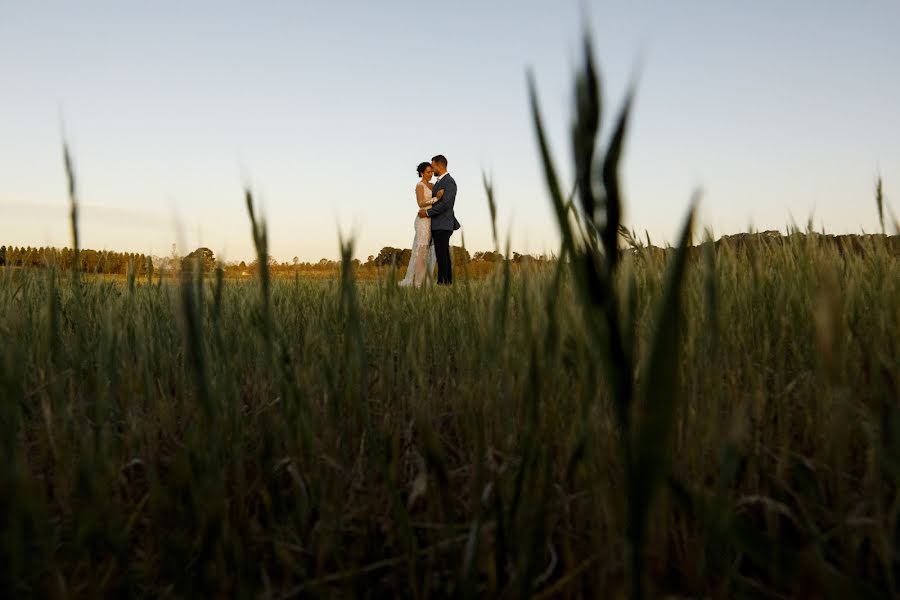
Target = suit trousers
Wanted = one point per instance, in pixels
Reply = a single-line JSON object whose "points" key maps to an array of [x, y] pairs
{"points": [[441, 239]]}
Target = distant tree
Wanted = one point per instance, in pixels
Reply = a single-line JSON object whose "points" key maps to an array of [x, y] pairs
{"points": [[90, 261], [389, 256], [488, 256], [325, 265], [254, 266], [174, 261], [459, 255], [137, 264], [2, 256], [105, 262], [203, 256]]}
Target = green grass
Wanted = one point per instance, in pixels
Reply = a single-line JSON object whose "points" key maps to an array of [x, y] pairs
{"points": [[151, 451], [705, 421]]}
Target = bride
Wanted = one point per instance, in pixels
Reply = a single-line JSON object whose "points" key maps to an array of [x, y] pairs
{"points": [[421, 262]]}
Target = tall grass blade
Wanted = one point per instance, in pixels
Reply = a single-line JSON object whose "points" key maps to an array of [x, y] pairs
{"points": [[612, 193], [492, 209], [73, 209], [584, 132], [655, 424], [550, 175], [261, 242]]}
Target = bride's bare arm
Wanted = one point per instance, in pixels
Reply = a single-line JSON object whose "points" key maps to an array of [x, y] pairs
{"points": [[439, 195]]}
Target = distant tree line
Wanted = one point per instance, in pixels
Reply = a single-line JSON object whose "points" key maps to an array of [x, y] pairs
{"points": [[459, 255], [118, 263], [385, 258], [400, 257], [91, 261]]}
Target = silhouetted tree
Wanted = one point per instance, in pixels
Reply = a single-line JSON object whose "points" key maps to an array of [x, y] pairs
{"points": [[488, 256], [389, 256], [204, 256]]}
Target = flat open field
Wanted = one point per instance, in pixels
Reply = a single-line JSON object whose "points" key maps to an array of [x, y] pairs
{"points": [[327, 438]]}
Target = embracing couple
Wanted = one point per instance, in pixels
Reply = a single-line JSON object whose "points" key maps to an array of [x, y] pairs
{"points": [[435, 223]]}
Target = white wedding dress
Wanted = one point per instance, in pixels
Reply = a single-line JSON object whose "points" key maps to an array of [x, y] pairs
{"points": [[421, 243]]}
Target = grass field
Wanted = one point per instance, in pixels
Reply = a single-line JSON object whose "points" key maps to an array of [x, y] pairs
{"points": [[343, 438], [717, 422]]}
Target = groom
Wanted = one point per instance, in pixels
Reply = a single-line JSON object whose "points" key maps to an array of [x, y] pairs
{"points": [[443, 221]]}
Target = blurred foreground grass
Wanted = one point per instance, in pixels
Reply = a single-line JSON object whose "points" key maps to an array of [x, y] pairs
{"points": [[363, 438]]}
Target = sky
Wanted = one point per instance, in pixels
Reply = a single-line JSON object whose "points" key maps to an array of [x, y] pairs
{"points": [[775, 112]]}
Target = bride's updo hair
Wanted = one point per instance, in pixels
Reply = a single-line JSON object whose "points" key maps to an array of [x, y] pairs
{"points": [[421, 168]]}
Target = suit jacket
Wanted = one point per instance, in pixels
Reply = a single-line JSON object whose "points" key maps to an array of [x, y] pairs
{"points": [[441, 212]]}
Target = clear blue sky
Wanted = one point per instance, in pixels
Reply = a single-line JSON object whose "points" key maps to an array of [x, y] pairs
{"points": [[777, 110]]}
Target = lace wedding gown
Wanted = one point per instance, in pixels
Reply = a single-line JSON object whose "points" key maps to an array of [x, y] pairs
{"points": [[421, 243]]}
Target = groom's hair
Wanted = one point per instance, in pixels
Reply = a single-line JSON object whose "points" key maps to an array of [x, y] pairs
{"points": [[439, 159]]}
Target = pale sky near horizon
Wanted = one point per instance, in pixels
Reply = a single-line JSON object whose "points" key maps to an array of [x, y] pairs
{"points": [[777, 111]]}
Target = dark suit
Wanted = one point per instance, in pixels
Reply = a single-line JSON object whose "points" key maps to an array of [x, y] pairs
{"points": [[443, 222]]}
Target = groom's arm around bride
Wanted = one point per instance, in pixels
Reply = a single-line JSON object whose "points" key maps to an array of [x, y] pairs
{"points": [[443, 208], [442, 215]]}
